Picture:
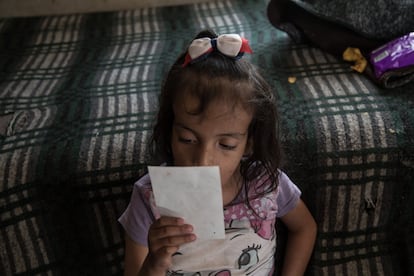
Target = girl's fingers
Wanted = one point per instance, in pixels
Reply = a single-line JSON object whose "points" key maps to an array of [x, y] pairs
{"points": [[165, 237], [171, 231], [170, 236], [165, 221], [168, 233], [169, 226]]}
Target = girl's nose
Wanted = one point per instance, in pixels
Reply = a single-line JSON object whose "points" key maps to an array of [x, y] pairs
{"points": [[204, 157]]}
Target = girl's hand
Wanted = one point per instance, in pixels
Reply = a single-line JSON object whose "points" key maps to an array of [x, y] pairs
{"points": [[165, 237]]}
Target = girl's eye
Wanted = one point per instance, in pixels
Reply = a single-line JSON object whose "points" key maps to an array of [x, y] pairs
{"points": [[186, 140], [227, 147], [249, 257]]}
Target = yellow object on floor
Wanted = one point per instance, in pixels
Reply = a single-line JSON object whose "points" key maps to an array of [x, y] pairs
{"points": [[354, 54]]}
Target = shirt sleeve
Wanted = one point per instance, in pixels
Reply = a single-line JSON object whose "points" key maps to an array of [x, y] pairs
{"points": [[138, 216], [288, 195]]}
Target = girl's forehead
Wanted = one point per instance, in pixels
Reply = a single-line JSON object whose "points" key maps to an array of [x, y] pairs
{"points": [[217, 116], [203, 92], [193, 105]]}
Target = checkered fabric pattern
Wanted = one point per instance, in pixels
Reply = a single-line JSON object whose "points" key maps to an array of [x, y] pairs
{"points": [[78, 96]]}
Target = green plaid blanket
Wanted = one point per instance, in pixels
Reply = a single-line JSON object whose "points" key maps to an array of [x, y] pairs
{"points": [[78, 95]]}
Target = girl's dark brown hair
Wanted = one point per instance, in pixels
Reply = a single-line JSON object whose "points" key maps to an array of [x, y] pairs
{"points": [[236, 82]]}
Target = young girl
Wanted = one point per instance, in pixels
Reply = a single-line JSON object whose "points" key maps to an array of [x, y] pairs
{"points": [[215, 109]]}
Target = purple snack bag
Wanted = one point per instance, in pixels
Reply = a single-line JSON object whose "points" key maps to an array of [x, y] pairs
{"points": [[396, 54]]}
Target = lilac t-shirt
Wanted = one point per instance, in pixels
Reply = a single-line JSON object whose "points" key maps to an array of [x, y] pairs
{"points": [[250, 241]]}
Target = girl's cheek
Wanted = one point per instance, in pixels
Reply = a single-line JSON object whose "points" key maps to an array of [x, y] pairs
{"points": [[183, 156]]}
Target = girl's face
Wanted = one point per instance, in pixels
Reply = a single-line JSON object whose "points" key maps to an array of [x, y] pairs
{"points": [[216, 137]]}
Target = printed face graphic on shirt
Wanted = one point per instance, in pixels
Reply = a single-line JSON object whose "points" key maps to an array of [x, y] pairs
{"points": [[252, 255], [243, 251]]}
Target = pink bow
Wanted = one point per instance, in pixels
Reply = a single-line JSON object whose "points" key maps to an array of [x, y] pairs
{"points": [[231, 45]]}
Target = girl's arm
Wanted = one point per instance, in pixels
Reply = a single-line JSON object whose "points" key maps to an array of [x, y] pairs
{"points": [[301, 239], [135, 255], [165, 237]]}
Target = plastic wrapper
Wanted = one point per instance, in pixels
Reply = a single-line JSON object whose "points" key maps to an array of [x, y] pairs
{"points": [[396, 54]]}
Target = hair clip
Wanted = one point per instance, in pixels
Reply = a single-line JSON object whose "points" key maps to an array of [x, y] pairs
{"points": [[230, 45]]}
